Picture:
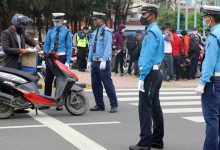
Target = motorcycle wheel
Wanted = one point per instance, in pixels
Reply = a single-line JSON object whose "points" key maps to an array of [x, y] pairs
{"points": [[5, 111], [76, 103]]}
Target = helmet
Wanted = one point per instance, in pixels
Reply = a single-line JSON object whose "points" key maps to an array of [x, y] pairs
{"points": [[19, 19]]}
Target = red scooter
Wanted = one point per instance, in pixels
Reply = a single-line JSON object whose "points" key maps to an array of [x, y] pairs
{"points": [[18, 90]]}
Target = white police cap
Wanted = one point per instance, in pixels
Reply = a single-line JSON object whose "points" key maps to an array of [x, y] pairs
{"points": [[58, 15], [211, 10], [148, 7], [98, 15]]}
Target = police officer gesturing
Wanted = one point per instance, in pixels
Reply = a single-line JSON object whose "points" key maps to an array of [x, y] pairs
{"points": [[99, 62], [58, 39], [209, 85], [149, 84]]}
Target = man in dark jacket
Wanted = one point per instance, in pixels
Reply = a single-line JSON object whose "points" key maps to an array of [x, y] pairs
{"points": [[118, 40], [14, 40], [134, 49]]}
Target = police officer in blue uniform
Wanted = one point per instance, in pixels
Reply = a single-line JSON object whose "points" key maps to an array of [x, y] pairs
{"points": [[209, 85], [150, 81], [58, 39], [100, 65]]}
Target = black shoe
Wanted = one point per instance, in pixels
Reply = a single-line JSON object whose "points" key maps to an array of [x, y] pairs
{"points": [[59, 108], [97, 108], [21, 111], [113, 109], [136, 147], [43, 107], [157, 145]]}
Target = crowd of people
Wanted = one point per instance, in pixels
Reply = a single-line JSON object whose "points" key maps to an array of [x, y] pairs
{"points": [[182, 59]]}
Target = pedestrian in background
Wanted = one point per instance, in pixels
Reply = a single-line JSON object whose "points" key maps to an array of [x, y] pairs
{"points": [[118, 39], [58, 39], [209, 85], [134, 48], [99, 63], [150, 112], [82, 47], [176, 53], [167, 64], [186, 42]]}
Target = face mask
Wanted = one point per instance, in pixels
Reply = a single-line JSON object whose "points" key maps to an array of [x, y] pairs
{"points": [[95, 23], [145, 21], [57, 24], [206, 25]]}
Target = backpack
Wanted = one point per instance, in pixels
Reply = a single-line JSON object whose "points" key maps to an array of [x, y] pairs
{"points": [[194, 42]]}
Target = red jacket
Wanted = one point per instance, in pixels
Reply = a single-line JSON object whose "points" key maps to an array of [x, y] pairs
{"points": [[176, 45], [186, 42]]}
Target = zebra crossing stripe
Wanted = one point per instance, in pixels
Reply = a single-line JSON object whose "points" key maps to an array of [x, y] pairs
{"points": [[136, 90], [161, 93], [127, 99], [182, 103], [197, 119]]}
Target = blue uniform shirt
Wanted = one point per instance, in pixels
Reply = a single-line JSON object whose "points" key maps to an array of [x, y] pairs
{"points": [[64, 43], [152, 51], [211, 62], [103, 45]]}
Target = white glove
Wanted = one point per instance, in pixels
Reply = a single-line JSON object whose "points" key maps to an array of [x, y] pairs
{"points": [[102, 65], [200, 89], [43, 64], [141, 86], [89, 66], [67, 64], [32, 50]]}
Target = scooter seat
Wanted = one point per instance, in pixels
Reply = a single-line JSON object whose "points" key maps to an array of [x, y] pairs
{"points": [[20, 73]]}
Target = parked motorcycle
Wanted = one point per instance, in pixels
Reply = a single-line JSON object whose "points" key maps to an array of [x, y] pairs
{"points": [[18, 90]]}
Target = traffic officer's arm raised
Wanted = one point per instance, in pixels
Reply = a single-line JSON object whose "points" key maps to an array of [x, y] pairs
{"points": [[148, 51], [210, 60]]}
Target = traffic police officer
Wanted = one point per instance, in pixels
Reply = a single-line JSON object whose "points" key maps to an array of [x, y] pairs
{"points": [[100, 65], [209, 85], [58, 39], [150, 81]]}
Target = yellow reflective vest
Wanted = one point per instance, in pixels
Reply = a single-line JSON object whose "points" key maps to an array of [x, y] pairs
{"points": [[81, 42]]}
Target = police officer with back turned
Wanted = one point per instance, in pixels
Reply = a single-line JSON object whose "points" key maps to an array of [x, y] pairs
{"points": [[149, 84]]}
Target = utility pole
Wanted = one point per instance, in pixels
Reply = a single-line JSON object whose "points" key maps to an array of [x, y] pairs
{"points": [[178, 16], [186, 15], [195, 14]]}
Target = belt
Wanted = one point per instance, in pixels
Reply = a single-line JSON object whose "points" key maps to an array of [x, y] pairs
{"points": [[216, 74], [61, 53], [97, 59], [155, 67], [167, 53]]}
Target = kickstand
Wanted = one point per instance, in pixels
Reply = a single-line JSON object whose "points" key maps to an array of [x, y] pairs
{"points": [[36, 110]]}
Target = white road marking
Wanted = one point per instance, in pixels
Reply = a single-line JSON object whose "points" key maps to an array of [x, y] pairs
{"points": [[161, 93], [91, 123], [125, 99], [177, 110], [71, 135], [20, 127], [162, 89], [196, 119], [69, 124], [175, 103]]}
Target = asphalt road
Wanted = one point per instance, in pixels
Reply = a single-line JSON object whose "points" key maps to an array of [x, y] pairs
{"points": [[53, 130]]}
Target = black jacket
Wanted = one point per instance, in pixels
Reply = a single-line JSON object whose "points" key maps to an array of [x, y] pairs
{"points": [[11, 48]]}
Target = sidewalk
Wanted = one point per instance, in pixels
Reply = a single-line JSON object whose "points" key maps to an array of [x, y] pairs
{"points": [[128, 81]]}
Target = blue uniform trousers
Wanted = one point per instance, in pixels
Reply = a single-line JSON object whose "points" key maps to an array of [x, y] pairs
{"points": [[150, 109], [103, 76], [211, 112], [50, 77]]}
